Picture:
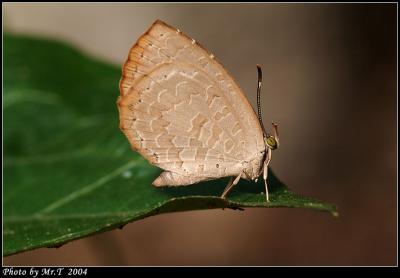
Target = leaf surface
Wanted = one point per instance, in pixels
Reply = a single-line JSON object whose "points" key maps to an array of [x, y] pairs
{"points": [[69, 172]]}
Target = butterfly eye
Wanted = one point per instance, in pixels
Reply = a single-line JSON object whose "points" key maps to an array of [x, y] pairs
{"points": [[271, 142]]}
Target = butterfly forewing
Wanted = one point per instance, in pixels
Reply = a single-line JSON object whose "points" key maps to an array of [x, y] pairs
{"points": [[181, 109]]}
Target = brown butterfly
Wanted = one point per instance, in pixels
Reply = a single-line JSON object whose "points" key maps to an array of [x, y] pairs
{"points": [[184, 113]]}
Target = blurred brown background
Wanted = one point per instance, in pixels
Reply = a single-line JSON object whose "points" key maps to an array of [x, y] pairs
{"points": [[330, 83]]}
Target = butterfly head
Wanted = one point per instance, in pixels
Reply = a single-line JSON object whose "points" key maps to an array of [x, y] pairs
{"points": [[272, 141]]}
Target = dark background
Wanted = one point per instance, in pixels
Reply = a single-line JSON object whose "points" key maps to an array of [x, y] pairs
{"points": [[330, 83]]}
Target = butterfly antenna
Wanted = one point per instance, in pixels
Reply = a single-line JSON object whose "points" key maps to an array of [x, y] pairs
{"points": [[259, 97]]}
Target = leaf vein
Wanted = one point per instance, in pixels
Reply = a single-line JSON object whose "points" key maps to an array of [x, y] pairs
{"points": [[86, 189]]}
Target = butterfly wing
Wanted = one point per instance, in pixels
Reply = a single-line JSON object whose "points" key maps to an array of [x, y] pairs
{"points": [[183, 111]]}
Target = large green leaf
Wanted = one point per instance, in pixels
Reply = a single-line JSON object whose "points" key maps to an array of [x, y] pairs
{"points": [[69, 171]]}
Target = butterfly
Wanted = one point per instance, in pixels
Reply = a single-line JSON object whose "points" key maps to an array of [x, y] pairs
{"points": [[183, 112]]}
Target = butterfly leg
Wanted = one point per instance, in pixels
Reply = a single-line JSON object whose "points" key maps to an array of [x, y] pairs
{"points": [[230, 185], [266, 163]]}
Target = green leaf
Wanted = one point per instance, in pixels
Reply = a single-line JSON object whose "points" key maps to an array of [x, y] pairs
{"points": [[69, 172]]}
